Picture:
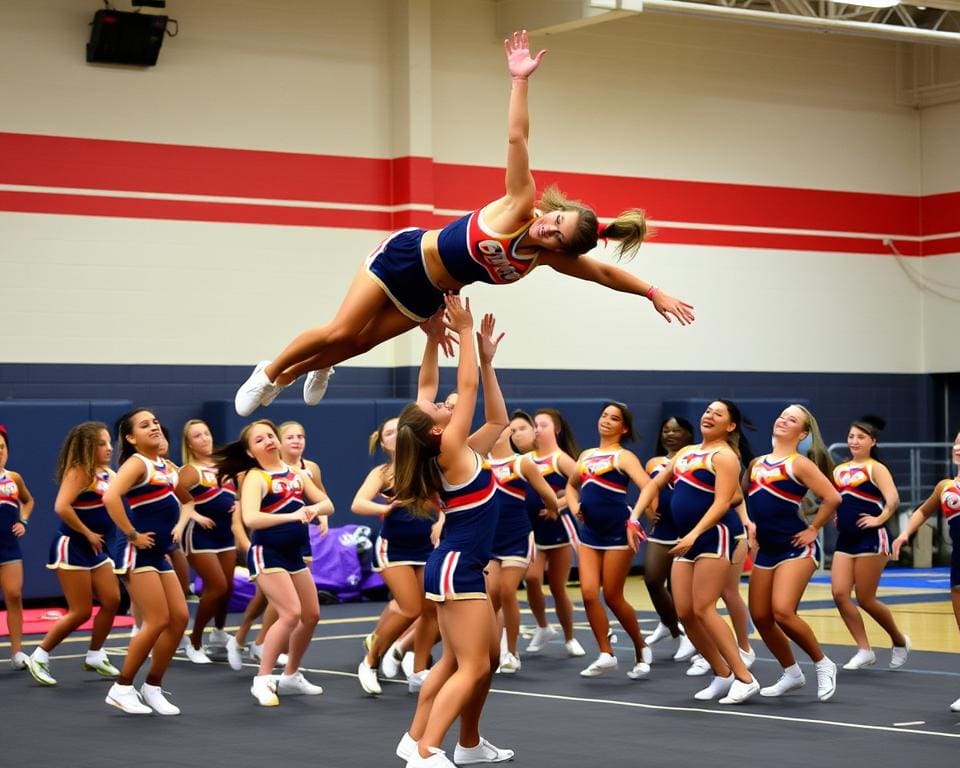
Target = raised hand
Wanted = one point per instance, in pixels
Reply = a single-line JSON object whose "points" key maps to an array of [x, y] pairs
{"points": [[457, 316], [437, 332], [519, 61], [486, 344], [668, 305]]}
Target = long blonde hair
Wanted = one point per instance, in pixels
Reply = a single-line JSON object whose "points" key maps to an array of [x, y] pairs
{"points": [[818, 452], [187, 455], [416, 477], [629, 228]]}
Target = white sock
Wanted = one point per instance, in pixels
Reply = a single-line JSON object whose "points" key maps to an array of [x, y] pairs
{"points": [[95, 657], [793, 670], [40, 655], [824, 662]]}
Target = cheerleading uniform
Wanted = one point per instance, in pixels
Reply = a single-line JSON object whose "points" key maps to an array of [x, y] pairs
{"points": [[153, 508], [513, 539], [217, 502], [859, 496], [70, 549], [774, 504]]}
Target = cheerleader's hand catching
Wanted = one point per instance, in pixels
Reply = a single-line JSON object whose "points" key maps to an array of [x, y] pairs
{"points": [[519, 61]]}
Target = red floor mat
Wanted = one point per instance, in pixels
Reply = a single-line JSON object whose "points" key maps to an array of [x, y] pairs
{"points": [[36, 621]]}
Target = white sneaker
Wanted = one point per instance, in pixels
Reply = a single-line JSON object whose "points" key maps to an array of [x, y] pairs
{"points": [[640, 669], [509, 665], [125, 697], [484, 752], [368, 678], [898, 656], [100, 663], [541, 636], [662, 632], [699, 667], [19, 660], [861, 659], [603, 663], [289, 685], [747, 657], [234, 655], [415, 681], [153, 697], [686, 650], [264, 690], [197, 655], [40, 670], [785, 684], [437, 759], [315, 385], [282, 660], [740, 691], [406, 665], [390, 663], [218, 638], [407, 747], [955, 707], [826, 679], [574, 648], [255, 391], [719, 687]]}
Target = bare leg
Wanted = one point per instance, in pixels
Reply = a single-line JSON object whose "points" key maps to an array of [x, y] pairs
{"points": [[107, 589], [406, 585], [591, 569], [309, 616], [866, 574], [656, 567], [426, 635], [841, 583], [558, 574], [228, 563], [534, 582], [169, 639], [510, 578], [736, 607], [255, 607], [709, 577], [616, 566], [761, 611], [11, 583], [789, 581], [207, 564]]}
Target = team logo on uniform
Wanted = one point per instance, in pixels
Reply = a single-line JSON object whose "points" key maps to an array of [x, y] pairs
{"points": [[208, 478], [494, 256], [599, 465], [767, 475], [692, 462], [951, 501], [851, 477], [9, 488]]}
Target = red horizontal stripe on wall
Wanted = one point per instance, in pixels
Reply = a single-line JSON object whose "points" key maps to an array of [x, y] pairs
{"points": [[941, 214], [778, 241]]}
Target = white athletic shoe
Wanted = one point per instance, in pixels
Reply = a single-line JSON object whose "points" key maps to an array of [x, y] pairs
{"points": [[100, 663], [415, 681], [234, 654], [955, 707], [19, 660], [699, 667], [747, 657], [718, 688], [685, 650], [484, 752], [315, 385], [40, 671], [603, 663], [406, 665], [437, 759], [574, 648], [740, 691], [197, 655], [264, 690], [509, 665], [407, 747], [368, 678], [153, 697], [125, 697], [390, 663], [662, 632], [291, 685], [786, 683], [218, 638], [541, 636], [640, 669], [861, 659], [256, 654], [898, 656], [826, 679], [255, 391]]}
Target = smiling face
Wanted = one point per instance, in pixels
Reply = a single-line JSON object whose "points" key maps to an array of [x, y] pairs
{"points": [[522, 435], [263, 444], [104, 449], [791, 425], [859, 443], [610, 424], [554, 231], [716, 424]]}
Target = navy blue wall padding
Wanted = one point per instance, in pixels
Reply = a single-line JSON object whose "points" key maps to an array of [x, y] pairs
{"points": [[37, 429]]}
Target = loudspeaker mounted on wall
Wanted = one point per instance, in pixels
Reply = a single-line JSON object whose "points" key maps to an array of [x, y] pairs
{"points": [[124, 37]]}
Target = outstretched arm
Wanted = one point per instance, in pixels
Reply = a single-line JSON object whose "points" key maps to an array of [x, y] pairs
{"points": [[437, 337], [494, 408]]}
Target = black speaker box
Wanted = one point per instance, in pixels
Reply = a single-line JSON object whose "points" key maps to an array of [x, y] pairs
{"points": [[122, 37]]}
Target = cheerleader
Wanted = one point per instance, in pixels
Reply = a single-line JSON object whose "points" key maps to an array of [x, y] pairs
{"points": [[438, 458], [788, 552], [556, 539], [78, 552], [513, 546], [16, 506], [675, 433], [206, 529], [272, 504], [705, 480], [869, 498], [597, 497], [946, 498], [146, 482]]}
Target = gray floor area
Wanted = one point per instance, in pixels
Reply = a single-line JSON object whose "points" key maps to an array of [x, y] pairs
{"points": [[547, 713]]}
